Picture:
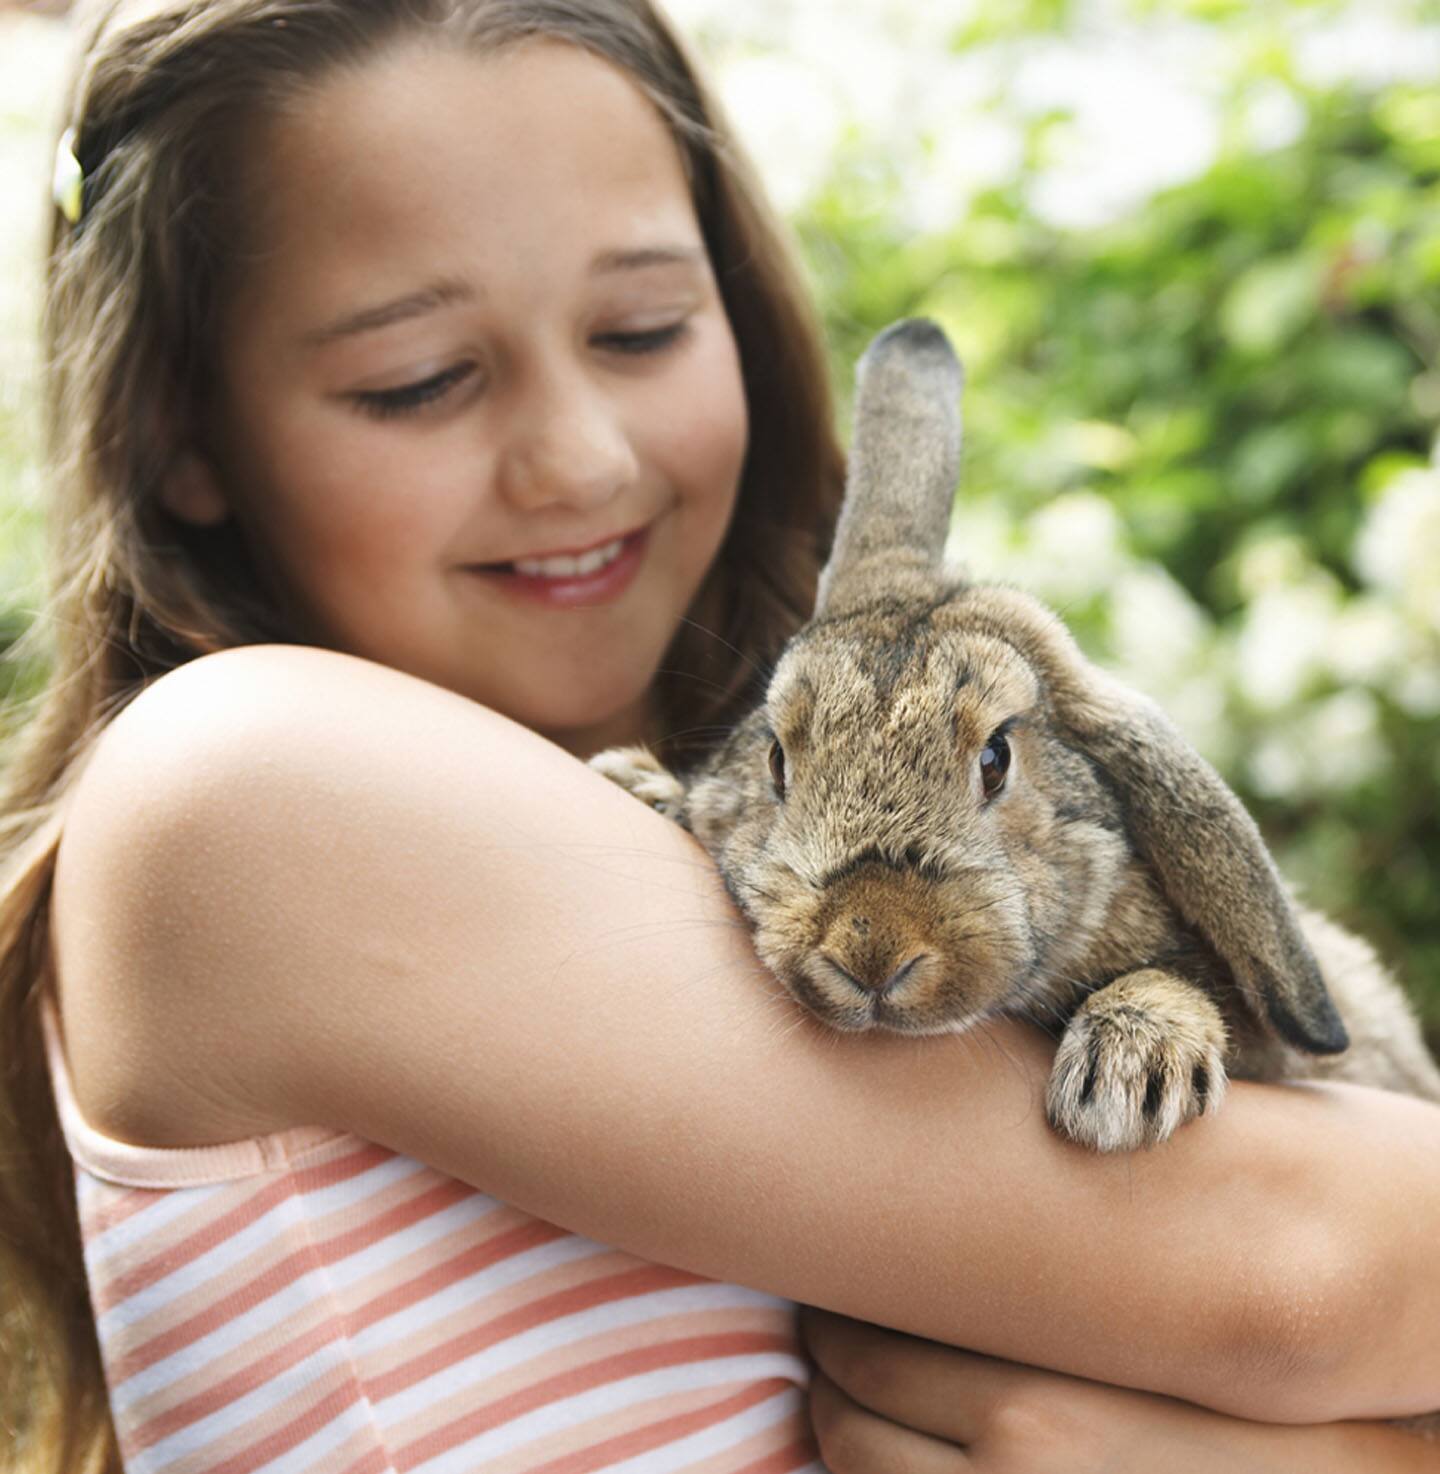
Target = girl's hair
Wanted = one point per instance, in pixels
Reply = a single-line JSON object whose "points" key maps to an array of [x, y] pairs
{"points": [[163, 97]]}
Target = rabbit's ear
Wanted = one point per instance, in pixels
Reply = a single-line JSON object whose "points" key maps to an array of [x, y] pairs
{"points": [[904, 462], [1210, 858]]}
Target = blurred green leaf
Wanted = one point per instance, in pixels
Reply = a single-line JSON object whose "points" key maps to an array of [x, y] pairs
{"points": [[1269, 303]]}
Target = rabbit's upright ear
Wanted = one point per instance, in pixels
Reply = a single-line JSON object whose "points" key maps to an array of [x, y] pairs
{"points": [[1209, 856], [904, 462]]}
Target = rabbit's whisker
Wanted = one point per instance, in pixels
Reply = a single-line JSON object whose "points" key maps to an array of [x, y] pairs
{"points": [[675, 673], [999, 900], [733, 649], [985, 1033], [659, 928], [648, 931]]}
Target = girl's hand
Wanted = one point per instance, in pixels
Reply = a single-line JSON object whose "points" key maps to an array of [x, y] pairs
{"points": [[885, 1403]]}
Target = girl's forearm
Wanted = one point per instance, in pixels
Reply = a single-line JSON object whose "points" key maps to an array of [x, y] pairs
{"points": [[1373, 1447], [882, 1401], [1380, 1156], [427, 926]]}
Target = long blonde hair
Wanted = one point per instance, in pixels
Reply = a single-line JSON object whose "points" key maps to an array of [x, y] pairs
{"points": [[157, 103]]}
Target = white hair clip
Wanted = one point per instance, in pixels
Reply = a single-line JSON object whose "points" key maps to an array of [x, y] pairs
{"points": [[69, 182]]}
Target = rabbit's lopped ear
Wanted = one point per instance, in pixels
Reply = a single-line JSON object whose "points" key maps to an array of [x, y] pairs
{"points": [[904, 463], [1210, 858]]}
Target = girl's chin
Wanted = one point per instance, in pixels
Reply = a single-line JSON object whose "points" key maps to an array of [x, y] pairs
{"points": [[589, 720]]}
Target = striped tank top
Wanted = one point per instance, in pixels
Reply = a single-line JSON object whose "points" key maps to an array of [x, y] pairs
{"points": [[310, 1303]]}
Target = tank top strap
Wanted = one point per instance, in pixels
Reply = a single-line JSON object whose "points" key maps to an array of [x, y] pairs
{"points": [[163, 1167]]}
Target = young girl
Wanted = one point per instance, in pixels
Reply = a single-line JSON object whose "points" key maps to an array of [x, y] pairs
{"points": [[433, 370]]}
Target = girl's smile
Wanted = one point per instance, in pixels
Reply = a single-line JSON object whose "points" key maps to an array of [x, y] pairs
{"points": [[568, 580], [481, 414]]}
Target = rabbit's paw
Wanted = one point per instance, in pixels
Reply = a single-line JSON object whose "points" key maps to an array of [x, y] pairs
{"points": [[1140, 1057], [638, 771]]}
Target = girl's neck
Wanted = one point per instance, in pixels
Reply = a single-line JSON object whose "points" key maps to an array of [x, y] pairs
{"points": [[636, 725]]}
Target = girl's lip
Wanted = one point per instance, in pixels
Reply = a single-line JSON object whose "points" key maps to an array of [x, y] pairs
{"points": [[603, 542], [573, 591]]}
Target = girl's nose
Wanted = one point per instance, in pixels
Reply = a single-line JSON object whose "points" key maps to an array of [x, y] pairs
{"points": [[567, 447]]}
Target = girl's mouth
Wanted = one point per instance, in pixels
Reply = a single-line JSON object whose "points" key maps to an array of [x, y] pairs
{"points": [[568, 581]]}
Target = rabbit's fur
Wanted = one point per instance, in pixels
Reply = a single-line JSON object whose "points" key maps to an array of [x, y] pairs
{"points": [[1112, 888]]}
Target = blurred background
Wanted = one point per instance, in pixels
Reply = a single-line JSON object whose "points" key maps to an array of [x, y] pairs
{"points": [[1190, 253]]}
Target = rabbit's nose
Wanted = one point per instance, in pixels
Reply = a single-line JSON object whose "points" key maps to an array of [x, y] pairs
{"points": [[875, 976]]}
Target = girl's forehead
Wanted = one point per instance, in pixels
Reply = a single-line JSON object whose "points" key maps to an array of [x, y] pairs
{"points": [[532, 158], [544, 112]]}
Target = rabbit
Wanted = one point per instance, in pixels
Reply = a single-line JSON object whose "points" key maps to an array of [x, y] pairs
{"points": [[942, 812]]}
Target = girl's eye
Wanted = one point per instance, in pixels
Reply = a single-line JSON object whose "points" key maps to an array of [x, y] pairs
{"points": [[408, 398], [994, 764], [653, 341], [385, 403]]}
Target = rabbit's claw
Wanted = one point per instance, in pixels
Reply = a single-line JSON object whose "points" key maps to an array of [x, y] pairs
{"points": [[1140, 1057], [639, 772]]}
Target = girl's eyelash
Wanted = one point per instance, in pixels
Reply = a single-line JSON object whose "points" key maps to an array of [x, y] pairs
{"points": [[408, 398], [652, 341], [383, 403]]}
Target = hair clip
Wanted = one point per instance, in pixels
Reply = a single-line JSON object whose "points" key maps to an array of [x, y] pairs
{"points": [[69, 182]]}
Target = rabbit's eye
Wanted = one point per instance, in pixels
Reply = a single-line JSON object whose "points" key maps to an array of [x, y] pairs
{"points": [[994, 764], [777, 768]]}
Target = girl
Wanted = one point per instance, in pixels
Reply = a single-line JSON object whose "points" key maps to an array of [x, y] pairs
{"points": [[433, 404]]}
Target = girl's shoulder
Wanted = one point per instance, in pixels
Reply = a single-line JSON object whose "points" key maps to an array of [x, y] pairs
{"points": [[223, 704], [244, 711], [203, 807]]}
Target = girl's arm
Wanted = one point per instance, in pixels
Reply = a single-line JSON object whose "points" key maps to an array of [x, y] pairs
{"points": [[883, 1403], [296, 887]]}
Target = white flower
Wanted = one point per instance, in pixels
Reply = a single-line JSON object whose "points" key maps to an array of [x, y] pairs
{"points": [[1332, 746], [1398, 547], [1364, 45], [1416, 689], [1271, 563], [789, 118], [32, 56], [982, 540], [967, 153], [1143, 116], [1340, 741], [1272, 116], [1284, 642], [1198, 707], [1074, 547], [1157, 631], [1368, 641], [1274, 769]]}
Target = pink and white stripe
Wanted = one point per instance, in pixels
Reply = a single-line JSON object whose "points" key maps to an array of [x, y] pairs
{"points": [[309, 1303]]}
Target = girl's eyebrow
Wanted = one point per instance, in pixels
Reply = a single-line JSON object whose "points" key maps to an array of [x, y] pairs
{"points": [[447, 292], [639, 259], [414, 304]]}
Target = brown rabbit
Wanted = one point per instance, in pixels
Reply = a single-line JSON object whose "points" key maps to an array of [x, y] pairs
{"points": [[943, 812]]}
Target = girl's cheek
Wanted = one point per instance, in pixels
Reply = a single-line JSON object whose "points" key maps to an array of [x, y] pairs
{"points": [[345, 478], [712, 438]]}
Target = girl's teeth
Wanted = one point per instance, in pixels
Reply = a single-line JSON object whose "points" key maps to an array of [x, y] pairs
{"points": [[566, 567]]}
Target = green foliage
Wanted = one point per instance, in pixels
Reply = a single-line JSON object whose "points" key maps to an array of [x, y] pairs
{"points": [[1244, 371], [20, 539], [30, 56]]}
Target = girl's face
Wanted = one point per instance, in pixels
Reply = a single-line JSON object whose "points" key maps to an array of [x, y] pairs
{"points": [[481, 414]]}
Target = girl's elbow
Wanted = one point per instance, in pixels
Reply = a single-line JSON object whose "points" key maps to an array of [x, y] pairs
{"points": [[1313, 1345]]}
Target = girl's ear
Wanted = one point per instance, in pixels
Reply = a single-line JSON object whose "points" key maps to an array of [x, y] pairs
{"points": [[192, 493]]}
